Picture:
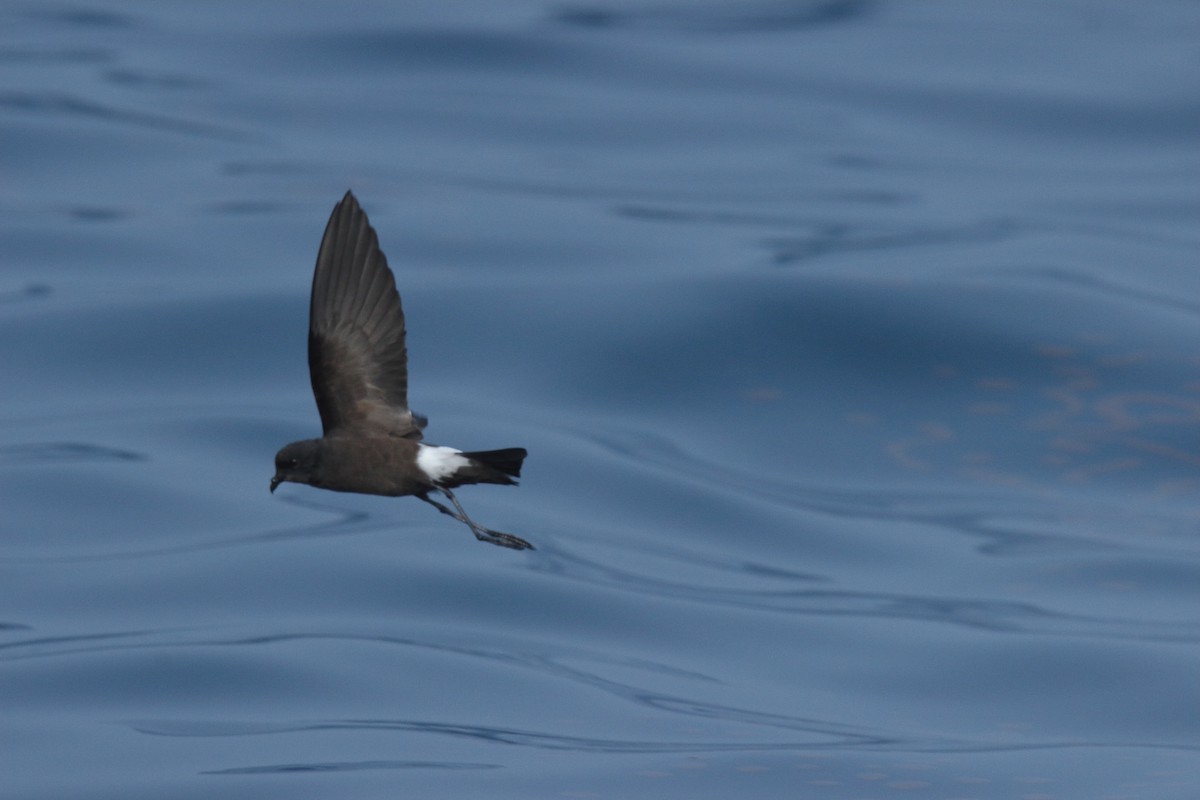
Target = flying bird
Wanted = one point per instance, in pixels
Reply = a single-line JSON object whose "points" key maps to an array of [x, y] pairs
{"points": [[358, 364]]}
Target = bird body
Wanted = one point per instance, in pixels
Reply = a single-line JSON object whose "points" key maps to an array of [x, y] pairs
{"points": [[380, 465], [358, 364]]}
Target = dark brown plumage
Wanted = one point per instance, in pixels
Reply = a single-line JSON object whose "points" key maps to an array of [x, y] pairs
{"points": [[358, 365]]}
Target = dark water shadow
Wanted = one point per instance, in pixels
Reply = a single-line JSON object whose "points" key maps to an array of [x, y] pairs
{"points": [[447, 49], [540, 740], [36, 56], [82, 17], [350, 766], [78, 644], [835, 238], [716, 18], [64, 452], [32, 291], [521, 737]]}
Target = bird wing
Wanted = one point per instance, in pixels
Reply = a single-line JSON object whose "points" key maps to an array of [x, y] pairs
{"points": [[356, 355]]}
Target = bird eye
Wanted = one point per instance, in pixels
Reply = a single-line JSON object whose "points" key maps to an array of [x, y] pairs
{"points": [[293, 462]]}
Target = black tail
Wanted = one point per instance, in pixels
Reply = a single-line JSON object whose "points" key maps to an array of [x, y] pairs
{"points": [[507, 460]]}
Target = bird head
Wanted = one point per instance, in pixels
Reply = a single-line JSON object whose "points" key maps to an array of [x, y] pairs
{"points": [[297, 462]]}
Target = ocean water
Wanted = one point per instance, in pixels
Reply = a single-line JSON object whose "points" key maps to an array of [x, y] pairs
{"points": [[854, 344]]}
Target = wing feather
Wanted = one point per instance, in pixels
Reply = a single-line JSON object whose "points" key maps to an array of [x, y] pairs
{"points": [[357, 357]]}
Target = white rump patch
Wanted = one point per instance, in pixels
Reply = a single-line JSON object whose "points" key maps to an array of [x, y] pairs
{"points": [[439, 463]]}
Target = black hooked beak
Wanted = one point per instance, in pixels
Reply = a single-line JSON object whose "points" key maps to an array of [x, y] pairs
{"points": [[275, 483]]}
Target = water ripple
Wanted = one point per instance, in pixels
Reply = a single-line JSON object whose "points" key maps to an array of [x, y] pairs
{"points": [[999, 616], [541, 740], [32, 291], [841, 237], [73, 452], [74, 106], [347, 522], [763, 16], [348, 766]]}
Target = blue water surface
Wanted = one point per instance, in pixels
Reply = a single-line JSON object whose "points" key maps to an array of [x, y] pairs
{"points": [[854, 343]]}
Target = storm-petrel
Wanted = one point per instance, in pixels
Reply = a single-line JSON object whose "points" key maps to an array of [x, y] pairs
{"points": [[358, 364]]}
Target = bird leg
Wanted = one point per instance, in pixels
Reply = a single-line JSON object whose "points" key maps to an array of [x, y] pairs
{"points": [[481, 533]]}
